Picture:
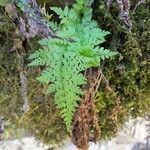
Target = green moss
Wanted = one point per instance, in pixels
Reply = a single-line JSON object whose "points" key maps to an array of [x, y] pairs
{"points": [[9, 85], [43, 119], [129, 74]]}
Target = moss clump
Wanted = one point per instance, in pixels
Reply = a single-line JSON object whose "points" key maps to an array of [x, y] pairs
{"points": [[42, 120], [129, 74]]}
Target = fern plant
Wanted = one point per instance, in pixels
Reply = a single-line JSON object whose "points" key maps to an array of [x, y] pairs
{"points": [[66, 58]]}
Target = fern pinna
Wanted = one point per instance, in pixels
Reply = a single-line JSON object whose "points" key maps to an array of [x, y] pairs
{"points": [[66, 57]]}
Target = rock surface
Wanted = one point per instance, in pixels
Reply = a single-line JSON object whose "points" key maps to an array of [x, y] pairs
{"points": [[133, 136]]}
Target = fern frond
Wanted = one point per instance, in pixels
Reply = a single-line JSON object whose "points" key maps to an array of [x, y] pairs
{"points": [[66, 59]]}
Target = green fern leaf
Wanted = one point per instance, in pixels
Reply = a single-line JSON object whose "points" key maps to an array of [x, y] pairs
{"points": [[66, 59]]}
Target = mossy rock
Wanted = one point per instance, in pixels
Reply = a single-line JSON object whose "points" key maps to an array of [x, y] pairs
{"points": [[128, 75], [43, 118]]}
